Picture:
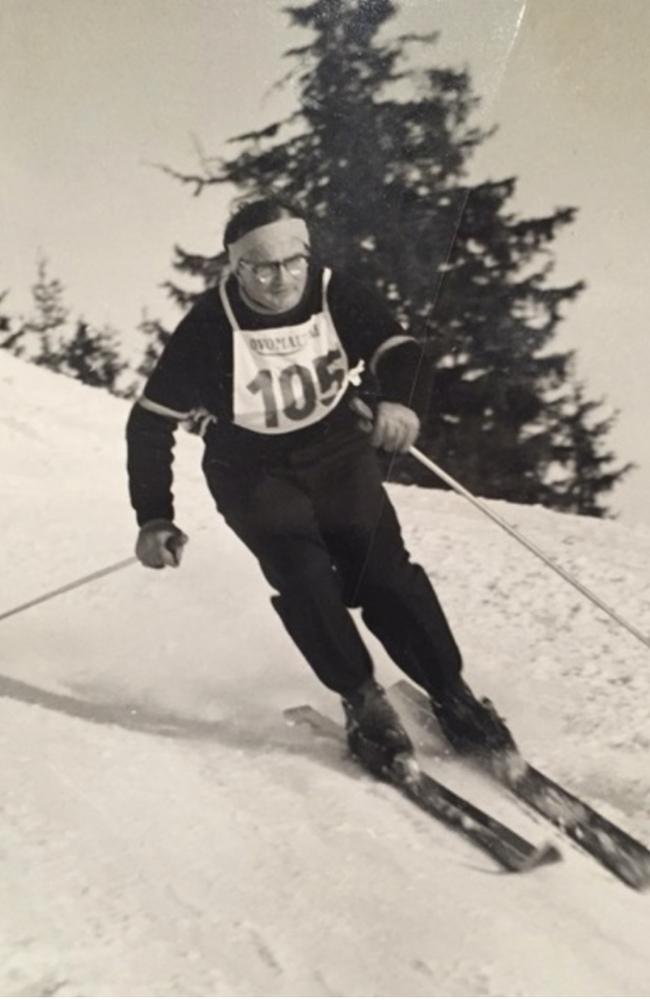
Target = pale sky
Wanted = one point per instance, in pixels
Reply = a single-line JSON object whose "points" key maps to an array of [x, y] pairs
{"points": [[92, 92]]}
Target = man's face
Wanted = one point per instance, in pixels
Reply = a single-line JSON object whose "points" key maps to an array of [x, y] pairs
{"points": [[272, 264]]}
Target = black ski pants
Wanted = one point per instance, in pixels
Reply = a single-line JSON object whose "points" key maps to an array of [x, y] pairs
{"points": [[327, 539]]}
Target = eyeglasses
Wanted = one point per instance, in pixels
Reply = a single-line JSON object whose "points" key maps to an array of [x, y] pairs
{"points": [[268, 270]]}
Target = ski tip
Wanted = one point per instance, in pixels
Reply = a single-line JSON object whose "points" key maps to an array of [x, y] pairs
{"points": [[407, 690], [296, 713], [307, 715]]}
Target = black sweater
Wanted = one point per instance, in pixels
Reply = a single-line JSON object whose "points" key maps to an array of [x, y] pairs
{"points": [[194, 377]]}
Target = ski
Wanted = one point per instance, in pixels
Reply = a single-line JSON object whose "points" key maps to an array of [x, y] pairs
{"points": [[511, 851], [615, 849]]}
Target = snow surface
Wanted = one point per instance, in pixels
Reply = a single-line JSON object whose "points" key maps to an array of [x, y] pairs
{"points": [[164, 832]]}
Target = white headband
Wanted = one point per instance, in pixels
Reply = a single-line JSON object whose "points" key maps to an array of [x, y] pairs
{"points": [[286, 227]]}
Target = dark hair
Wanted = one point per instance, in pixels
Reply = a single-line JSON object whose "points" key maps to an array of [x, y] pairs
{"points": [[258, 213]]}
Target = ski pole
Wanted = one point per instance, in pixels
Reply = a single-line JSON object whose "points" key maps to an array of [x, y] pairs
{"points": [[69, 586], [455, 485]]}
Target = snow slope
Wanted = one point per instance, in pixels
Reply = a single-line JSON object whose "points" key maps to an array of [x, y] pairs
{"points": [[165, 833]]}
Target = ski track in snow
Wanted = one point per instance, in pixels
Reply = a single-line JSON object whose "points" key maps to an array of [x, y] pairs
{"points": [[164, 832]]}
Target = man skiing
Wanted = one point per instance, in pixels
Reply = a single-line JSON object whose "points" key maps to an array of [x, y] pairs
{"points": [[267, 360]]}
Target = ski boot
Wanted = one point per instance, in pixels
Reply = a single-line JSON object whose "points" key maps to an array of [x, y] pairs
{"points": [[473, 727], [376, 736]]}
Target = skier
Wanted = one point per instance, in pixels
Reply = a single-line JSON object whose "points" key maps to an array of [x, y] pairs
{"points": [[267, 362]]}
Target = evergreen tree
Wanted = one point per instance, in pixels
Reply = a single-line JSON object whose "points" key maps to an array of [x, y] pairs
{"points": [[5, 322], [376, 154], [35, 338], [47, 338], [90, 355], [586, 472], [156, 337]]}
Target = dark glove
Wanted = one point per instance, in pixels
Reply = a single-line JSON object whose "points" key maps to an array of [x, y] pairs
{"points": [[160, 543], [393, 426]]}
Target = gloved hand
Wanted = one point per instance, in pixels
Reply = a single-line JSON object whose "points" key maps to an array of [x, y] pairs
{"points": [[393, 427], [160, 543]]}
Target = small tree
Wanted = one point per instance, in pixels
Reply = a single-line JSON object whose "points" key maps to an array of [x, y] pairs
{"points": [[35, 338], [90, 355], [156, 336], [586, 473], [5, 323], [47, 338]]}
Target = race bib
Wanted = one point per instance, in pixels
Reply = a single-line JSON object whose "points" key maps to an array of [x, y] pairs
{"points": [[287, 378]]}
